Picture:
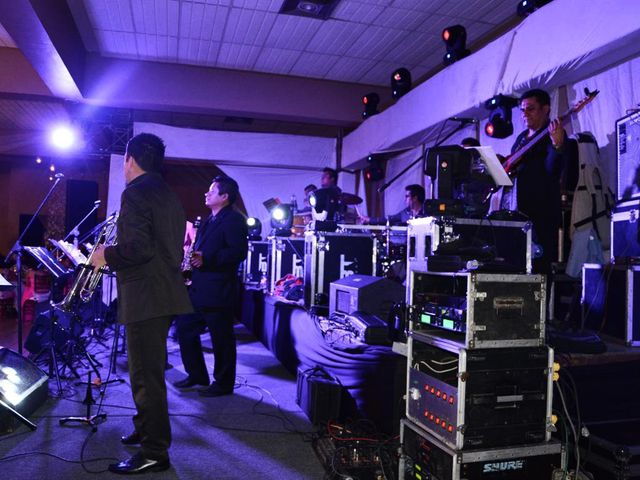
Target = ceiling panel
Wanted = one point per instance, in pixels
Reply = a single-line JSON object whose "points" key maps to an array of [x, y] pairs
{"points": [[253, 35], [276, 60], [350, 69], [315, 65], [292, 33], [30, 115], [335, 37], [248, 27], [237, 57], [264, 5], [357, 12], [400, 19], [375, 42]]}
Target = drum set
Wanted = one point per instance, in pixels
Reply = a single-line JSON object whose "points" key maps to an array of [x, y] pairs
{"points": [[340, 211]]}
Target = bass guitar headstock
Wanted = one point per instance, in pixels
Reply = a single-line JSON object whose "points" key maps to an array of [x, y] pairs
{"points": [[589, 96]]}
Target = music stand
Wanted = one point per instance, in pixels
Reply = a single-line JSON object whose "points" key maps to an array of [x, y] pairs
{"points": [[17, 250], [58, 271], [45, 258]]}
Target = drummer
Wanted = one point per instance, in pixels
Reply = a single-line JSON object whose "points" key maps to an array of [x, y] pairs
{"points": [[329, 178], [414, 196]]}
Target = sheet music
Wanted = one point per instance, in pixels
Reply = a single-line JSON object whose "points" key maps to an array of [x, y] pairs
{"points": [[4, 284], [74, 254], [495, 168]]}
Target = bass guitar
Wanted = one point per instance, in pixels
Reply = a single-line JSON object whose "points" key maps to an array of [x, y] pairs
{"points": [[516, 158]]}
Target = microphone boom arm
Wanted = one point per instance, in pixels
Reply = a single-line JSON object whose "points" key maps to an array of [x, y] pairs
{"points": [[421, 157]]}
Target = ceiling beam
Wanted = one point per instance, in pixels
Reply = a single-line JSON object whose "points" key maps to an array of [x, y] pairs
{"points": [[185, 88], [45, 33]]}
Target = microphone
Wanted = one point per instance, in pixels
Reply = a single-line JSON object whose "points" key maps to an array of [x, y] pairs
{"points": [[96, 203], [59, 175], [463, 120]]}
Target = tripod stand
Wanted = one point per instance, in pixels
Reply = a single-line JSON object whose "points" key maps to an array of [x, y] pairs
{"points": [[88, 419]]}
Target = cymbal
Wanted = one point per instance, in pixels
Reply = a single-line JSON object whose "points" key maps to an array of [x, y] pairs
{"points": [[349, 199]]}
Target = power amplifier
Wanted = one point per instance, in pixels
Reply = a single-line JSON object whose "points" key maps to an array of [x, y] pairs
{"points": [[425, 457], [479, 398]]}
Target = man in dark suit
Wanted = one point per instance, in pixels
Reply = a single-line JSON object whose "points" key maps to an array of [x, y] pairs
{"points": [[147, 259], [220, 246], [538, 176]]}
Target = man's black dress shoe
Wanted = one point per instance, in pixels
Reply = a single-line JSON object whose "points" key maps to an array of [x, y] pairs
{"points": [[215, 390], [131, 439], [188, 383], [139, 464]]}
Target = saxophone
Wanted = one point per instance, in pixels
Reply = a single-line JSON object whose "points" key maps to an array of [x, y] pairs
{"points": [[87, 279], [186, 260]]}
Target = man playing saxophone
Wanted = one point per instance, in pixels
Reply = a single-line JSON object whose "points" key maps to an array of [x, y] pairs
{"points": [[151, 291], [219, 248]]}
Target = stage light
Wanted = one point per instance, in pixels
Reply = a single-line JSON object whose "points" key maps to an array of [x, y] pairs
{"points": [[255, 228], [38, 160], [325, 203], [499, 124], [455, 38], [370, 102], [52, 168], [527, 7], [23, 388], [282, 220], [400, 82], [374, 170], [64, 137]]}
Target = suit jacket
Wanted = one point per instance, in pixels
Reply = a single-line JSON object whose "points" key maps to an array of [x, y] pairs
{"points": [[148, 254], [223, 242]]}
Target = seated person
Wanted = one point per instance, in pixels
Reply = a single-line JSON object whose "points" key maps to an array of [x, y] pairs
{"points": [[414, 200]]}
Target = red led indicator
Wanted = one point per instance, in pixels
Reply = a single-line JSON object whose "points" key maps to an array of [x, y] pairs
{"points": [[489, 129]]}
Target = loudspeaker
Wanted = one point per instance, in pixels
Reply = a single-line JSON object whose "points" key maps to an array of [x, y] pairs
{"points": [[35, 235], [23, 387], [318, 395], [81, 198], [65, 328]]}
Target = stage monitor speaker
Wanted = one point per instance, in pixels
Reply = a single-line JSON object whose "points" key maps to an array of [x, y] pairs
{"points": [[23, 388], [65, 328], [81, 198]]}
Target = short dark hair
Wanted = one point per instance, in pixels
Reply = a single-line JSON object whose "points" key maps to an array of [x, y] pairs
{"points": [[470, 142], [147, 150], [310, 188], [229, 186], [540, 95], [332, 173], [416, 190]]}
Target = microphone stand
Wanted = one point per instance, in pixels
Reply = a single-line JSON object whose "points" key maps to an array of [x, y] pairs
{"points": [[421, 157], [17, 250], [74, 231]]}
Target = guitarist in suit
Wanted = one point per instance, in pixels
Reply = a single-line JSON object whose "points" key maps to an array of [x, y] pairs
{"points": [[220, 246], [537, 183], [151, 291]]}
